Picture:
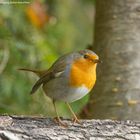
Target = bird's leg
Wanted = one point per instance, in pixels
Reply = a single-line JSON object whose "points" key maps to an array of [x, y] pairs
{"points": [[75, 119], [57, 118]]}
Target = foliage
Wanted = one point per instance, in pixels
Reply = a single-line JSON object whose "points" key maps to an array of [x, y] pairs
{"points": [[67, 27]]}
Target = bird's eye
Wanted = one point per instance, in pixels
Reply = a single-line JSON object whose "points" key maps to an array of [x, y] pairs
{"points": [[85, 56]]}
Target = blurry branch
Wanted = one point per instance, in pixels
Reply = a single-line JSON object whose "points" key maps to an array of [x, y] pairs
{"points": [[5, 59]]}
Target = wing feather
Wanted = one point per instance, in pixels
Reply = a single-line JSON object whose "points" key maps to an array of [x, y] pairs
{"points": [[56, 70]]}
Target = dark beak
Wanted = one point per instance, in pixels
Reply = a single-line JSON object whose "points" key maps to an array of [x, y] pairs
{"points": [[97, 61]]}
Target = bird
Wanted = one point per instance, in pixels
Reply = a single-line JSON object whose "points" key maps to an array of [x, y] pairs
{"points": [[70, 78]]}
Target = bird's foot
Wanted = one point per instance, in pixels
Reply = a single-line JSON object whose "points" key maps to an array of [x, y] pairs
{"points": [[60, 122], [76, 120]]}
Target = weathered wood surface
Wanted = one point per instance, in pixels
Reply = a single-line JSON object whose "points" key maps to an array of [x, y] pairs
{"points": [[33, 128]]}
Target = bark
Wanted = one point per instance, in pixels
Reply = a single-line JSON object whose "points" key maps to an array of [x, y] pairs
{"points": [[117, 41], [33, 128]]}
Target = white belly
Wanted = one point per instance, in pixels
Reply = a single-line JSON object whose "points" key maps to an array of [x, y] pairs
{"points": [[58, 89]]}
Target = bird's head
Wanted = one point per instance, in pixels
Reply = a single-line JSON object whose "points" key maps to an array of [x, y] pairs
{"points": [[87, 59], [89, 56]]}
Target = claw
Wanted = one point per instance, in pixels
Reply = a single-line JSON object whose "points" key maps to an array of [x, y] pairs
{"points": [[75, 120], [60, 122]]}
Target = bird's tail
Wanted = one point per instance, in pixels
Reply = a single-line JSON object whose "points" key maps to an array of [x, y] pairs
{"points": [[37, 72]]}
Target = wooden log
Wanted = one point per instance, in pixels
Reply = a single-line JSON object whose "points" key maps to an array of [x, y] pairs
{"points": [[36, 128]]}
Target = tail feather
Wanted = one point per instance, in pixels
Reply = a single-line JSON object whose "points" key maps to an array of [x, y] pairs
{"points": [[37, 72]]}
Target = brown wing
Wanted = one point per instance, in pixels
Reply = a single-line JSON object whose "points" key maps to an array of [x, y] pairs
{"points": [[55, 71]]}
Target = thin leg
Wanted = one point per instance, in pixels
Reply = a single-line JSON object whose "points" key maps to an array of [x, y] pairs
{"points": [[57, 119], [75, 117]]}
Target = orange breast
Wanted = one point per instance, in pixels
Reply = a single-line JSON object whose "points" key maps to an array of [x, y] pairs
{"points": [[83, 73]]}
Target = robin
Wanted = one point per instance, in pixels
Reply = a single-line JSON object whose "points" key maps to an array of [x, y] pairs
{"points": [[70, 78]]}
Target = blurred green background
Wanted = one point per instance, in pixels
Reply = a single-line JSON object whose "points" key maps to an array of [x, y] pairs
{"points": [[34, 35]]}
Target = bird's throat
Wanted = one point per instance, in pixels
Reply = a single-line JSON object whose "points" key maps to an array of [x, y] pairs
{"points": [[83, 74]]}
